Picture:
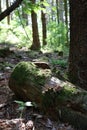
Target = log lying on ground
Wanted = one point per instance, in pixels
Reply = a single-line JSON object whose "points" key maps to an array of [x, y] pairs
{"points": [[56, 98], [27, 81]]}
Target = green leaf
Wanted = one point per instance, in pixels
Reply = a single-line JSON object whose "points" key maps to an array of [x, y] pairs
{"points": [[21, 108], [21, 103], [45, 3]]}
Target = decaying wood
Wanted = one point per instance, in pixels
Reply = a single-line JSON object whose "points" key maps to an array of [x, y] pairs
{"points": [[54, 97]]}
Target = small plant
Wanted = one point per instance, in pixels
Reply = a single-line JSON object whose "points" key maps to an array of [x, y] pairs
{"points": [[23, 105], [62, 63]]}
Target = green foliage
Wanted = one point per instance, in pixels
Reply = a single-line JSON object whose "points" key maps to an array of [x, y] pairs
{"points": [[23, 105], [15, 33], [3, 32], [29, 6], [4, 65], [56, 35], [60, 62], [67, 93]]}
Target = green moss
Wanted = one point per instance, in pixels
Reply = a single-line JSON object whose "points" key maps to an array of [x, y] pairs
{"points": [[26, 72], [66, 94]]}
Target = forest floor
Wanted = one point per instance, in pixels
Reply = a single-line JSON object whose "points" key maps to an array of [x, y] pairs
{"points": [[9, 114]]}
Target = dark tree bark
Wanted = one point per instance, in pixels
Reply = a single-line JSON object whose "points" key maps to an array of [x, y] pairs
{"points": [[44, 31], [0, 7], [78, 42], [57, 10], [8, 17], [35, 33], [66, 12], [10, 9], [66, 19]]}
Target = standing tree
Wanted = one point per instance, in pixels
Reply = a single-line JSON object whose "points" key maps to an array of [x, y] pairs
{"points": [[35, 33], [8, 17], [53, 18], [57, 10], [0, 6], [44, 31], [66, 18], [78, 42], [61, 10], [66, 12]]}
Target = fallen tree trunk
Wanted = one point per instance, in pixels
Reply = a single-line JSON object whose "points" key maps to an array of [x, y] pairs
{"points": [[10, 9], [54, 97]]}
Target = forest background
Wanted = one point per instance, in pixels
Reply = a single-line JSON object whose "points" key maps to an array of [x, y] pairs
{"points": [[53, 31]]}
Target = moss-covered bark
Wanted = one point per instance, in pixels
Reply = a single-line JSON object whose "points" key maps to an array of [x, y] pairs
{"points": [[55, 98], [27, 81]]}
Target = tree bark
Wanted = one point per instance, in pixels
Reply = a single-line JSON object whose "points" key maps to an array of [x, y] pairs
{"points": [[44, 31], [66, 12], [8, 17], [66, 19], [10, 9], [35, 33], [61, 10], [78, 43], [57, 10], [0, 7]]}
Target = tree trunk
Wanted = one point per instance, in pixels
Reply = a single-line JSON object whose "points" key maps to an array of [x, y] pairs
{"points": [[57, 9], [0, 7], [52, 12], [61, 10], [66, 12], [8, 17], [10, 9], [78, 43], [44, 31], [66, 19], [35, 33]]}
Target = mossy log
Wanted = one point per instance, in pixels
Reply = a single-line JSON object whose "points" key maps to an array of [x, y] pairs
{"points": [[27, 81], [56, 98]]}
